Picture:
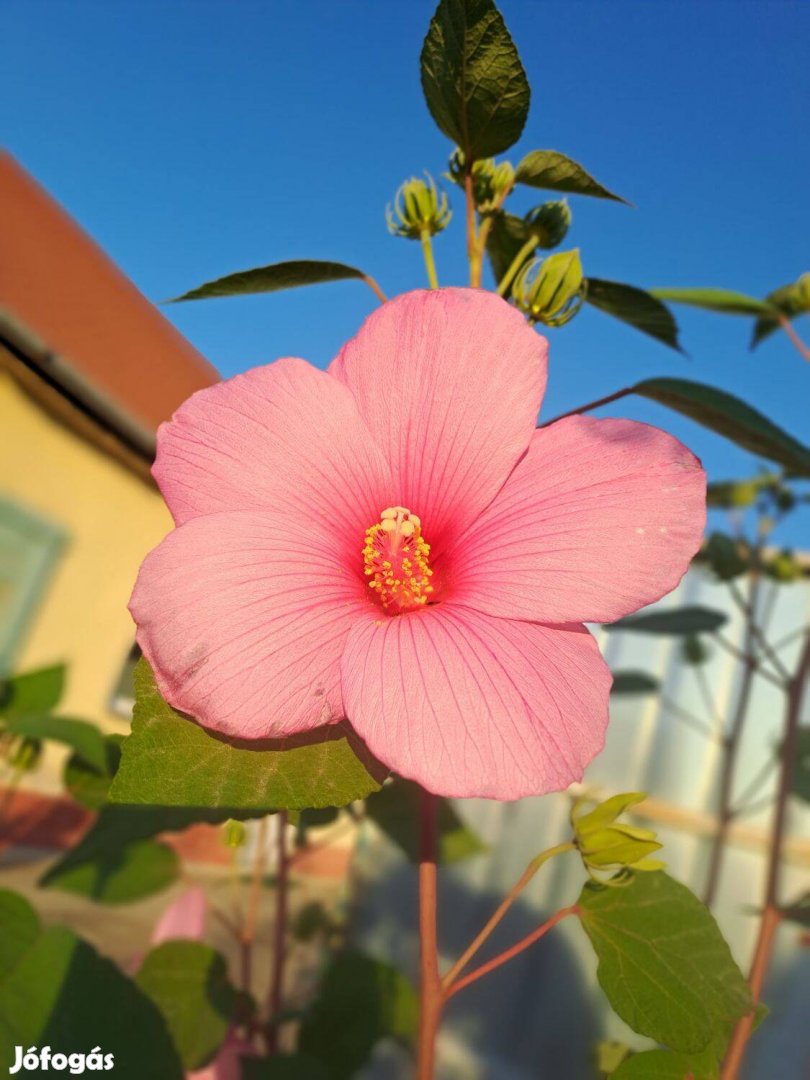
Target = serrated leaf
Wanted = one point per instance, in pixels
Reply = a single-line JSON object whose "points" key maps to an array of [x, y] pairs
{"points": [[550, 170], [188, 982], [728, 415], [169, 760], [626, 683], [663, 963], [691, 619], [79, 735], [791, 300], [361, 1000], [472, 78], [33, 691], [64, 995], [635, 307], [801, 765], [723, 301], [395, 810], [89, 786], [19, 929], [266, 279]]}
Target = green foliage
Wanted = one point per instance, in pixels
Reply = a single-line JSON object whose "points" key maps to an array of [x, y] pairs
{"points": [[88, 785], [694, 651], [553, 171], [723, 301], [550, 291], [663, 963], [472, 78], [691, 619], [635, 307], [634, 683], [801, 765], [64, 995], [361, 1001], [799, 911], [791, 300], [396, 810], [168, 760], [549, 222], [273, 278], [608, 844], [506, 237], [188, 982], [666, 1065], [84, 738], [284, 1067], [728, 558], [727, 415], [138, 869], [32, 692], [19, 929]]}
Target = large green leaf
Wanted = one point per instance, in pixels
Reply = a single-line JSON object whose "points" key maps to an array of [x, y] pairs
{"points": [[723, 301], [691, 619], [553, 171], [635, 307], [507, 236], [19, 929], [361, 1000], [666, 1065], [82, 737], [473, 81], [188, 982], [131, 872], [729, 416], [64, 995], [396, 810], [33, 691], [633, 683], [168, 760], [663, 963], [88, 785], [801, 765], [791, 300], [272, 278]]}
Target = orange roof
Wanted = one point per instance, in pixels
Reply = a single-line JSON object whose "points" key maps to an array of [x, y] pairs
{"points": [[61, 286]]}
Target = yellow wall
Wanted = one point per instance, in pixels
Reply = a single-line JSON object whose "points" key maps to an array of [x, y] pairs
{"points": [[112, 519]]}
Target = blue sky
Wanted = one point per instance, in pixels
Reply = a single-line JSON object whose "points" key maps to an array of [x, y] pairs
{"points": [[195, 137]]}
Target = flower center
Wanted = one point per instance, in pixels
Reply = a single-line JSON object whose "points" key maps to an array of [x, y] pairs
{"points": [[397, 559]]}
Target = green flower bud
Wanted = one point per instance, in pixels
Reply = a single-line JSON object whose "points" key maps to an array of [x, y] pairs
{"points": [[419, 209], [234, 833], [491, 182], [550, 223], [606, 844], [694, 651], [727, 557], [551, 290], [784, 567], [25, 754]]}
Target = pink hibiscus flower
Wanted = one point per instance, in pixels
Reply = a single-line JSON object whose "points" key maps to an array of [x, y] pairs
{"points": [[393, 542]]}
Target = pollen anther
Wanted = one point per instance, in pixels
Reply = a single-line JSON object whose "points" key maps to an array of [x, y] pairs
{"points": [[396, 558]]}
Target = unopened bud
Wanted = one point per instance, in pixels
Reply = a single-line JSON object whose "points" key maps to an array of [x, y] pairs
{"points": [[551, 291], [549, 223], [491, 181], [784, 567], [234, 833], [419, 209]]}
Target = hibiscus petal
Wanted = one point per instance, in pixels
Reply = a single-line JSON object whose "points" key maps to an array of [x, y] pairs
{"points": [[282, 435], [600, 518], [449, 383], [469, 705], [184, 918], [243, 617]]}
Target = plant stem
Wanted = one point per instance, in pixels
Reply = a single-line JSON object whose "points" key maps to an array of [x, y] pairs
{"points": [[431, 999], [472, 239], [515, 950], [279, 935], [375, 288], [765, 646], [248, 933], [430, 265], [787, 326], [527, 875], [591, 405], [526, 250], [771, 914]]}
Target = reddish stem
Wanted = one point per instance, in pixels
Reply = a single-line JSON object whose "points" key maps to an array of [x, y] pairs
{"points": [[787, 326], [591, 405], [279, 935], [431, 999]]}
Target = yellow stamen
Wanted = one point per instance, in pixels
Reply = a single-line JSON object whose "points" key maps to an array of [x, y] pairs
{"points": [[397, 559]]}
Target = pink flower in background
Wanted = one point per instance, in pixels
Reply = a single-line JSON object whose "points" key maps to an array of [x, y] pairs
{"points": [[393, 542]]}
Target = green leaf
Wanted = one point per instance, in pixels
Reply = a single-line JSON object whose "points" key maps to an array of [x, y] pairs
{"points": [[19, 929], [129, 873], [33, 691], [472, 78], [791, 300], [89, 786], [361, 1000], [801, 765], [799, 911], [692, 619], [633, 682], [64, 995], [188, 982], [273, 278], [507, 236], [284, 1067], [663, 963], [635, 307], [723, 301], [666, 1065], [396, 810], [81, 736], [171, 761], [729, 416], [552, 171]]}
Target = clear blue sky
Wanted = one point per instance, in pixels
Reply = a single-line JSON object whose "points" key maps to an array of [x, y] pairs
{"points": [[192, 138]]}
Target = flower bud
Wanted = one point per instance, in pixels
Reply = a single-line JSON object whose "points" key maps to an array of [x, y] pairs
{"points": [[491, 182], [549, 223], [783, 567], [551, 290], [234, 833], [694, 651], [419, 209], [607, 844], [727, 557]]}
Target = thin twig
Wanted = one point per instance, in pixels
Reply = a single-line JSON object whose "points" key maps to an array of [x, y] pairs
{"points": [[375, 288], [279, 935], [430, 1000], [248, 933], [787, 326], [748, 608], [591, 405]]}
